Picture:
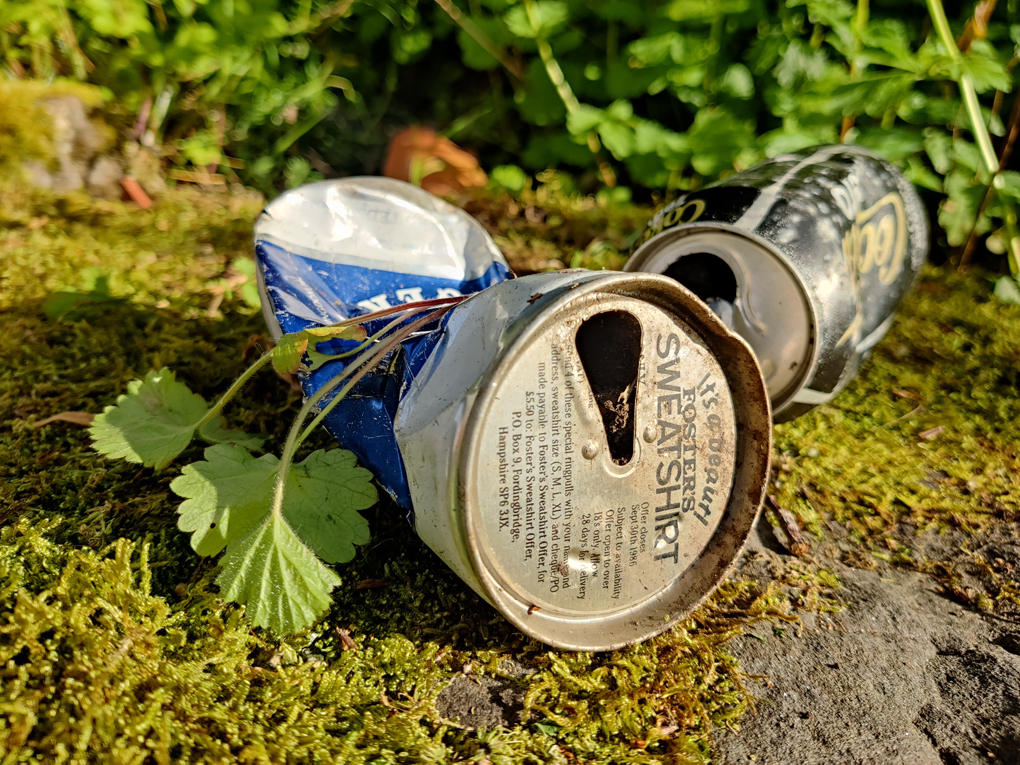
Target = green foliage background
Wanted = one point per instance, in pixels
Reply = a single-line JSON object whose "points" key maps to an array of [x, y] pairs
{"points": [[657, 96]]}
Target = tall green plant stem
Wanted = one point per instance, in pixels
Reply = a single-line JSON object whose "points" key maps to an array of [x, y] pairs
{"points": [[364, 369], [479, 36], [970, 100], [566, 93], [980, 130]]}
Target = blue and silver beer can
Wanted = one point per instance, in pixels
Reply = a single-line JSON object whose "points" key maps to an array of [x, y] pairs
{"points": [[806, 256], [587, 450], [340, 249]]}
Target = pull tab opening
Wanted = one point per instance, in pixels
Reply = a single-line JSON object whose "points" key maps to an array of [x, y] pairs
{"points": [[710, 278], [609, 345]]}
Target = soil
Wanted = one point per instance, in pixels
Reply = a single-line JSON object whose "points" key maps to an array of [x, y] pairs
{"points": [[903, 674]]}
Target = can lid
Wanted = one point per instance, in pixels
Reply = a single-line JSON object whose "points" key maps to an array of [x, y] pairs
{"points": [[613, 462], [770, 305]]}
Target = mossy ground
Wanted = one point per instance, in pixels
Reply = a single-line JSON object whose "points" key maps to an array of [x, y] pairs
{"points": [[115, 646]]}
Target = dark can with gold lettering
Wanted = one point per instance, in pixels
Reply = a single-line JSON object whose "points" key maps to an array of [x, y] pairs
{"points": [[805, 256]]}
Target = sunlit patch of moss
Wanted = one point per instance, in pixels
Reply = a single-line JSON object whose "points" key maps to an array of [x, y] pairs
{"points": [[169, 256], [26, 130], [95, 664], [927, 433]]}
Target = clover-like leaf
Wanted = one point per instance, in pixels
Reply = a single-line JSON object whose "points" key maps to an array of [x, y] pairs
{"points": [[273, 560], [155, 421]]}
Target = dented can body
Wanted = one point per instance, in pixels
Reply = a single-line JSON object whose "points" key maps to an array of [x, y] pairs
{"points": [[587, 450], [805, 256], [335, 250]]}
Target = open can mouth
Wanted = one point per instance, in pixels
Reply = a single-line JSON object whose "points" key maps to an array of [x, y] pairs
{"points": [[613, 462], [752, 288]]}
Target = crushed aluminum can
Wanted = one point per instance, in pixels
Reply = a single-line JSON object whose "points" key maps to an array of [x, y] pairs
{"points": [[805, 256], [335, 250], [587, 450]]}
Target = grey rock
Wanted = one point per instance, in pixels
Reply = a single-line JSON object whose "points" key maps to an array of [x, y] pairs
{"points": [[104, 178]]}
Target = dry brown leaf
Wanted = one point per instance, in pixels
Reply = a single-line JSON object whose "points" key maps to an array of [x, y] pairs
{"points": [[418, 154], [75, 418]]}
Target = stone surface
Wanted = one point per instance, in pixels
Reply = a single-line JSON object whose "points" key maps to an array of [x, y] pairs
{"points": [[104, 178], [477, 701], [901, 675]]}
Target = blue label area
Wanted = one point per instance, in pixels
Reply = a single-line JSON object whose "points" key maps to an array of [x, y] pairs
{"points": [[304, 292]]}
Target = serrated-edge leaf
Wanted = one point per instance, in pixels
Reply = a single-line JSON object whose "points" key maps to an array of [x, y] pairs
{"points": [[152, 423], [226, 495], [324, 494], [284, 586]]}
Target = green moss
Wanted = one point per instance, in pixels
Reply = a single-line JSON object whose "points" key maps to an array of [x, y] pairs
{"points": [[26, 130], [927, 435]]}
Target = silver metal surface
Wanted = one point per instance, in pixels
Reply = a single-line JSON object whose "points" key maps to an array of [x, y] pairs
{"points": [[822, 244], [772, 311], [518, 485]]}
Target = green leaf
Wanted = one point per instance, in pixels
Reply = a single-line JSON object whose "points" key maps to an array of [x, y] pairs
{"points": [[893, 144], [510, 177], [155, 421], [323, 496], [152, 423], [704, 10], [273, 561], [287, 353], [283, 584], [290, 348], [984, 68], [1006, 290], [658, 49], [716, 138], [585, 119], [545, 18], [618, 138], [227, 495], [939, 146], [737, 81], [1008, 183], [333, 332], [919, 174], [959, 211]]}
